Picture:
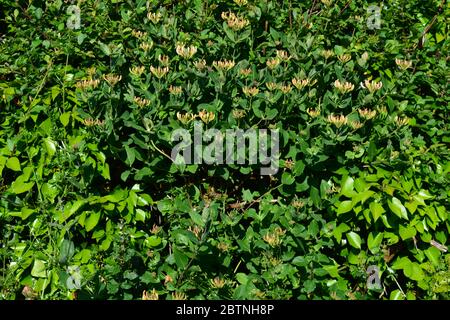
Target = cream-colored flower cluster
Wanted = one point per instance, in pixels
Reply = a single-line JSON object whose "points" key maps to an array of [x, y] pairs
{"points": [[372, 86], [141, 102], [186, 52], [112, 79], [87, 84], [234, 21], [223, 65], [159, 72], [338, 121], [344, 87]]}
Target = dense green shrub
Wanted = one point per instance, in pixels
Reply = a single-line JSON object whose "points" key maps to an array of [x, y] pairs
{"points": [[92, 208]]}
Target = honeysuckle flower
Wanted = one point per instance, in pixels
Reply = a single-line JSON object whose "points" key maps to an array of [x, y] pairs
{"points": [[206, 116], [272, 239], [382, 111], [150, 296], [327, 2], [367, 113], [344, 58], [146, 46], [298, 204], [196, 230], [164, 60], [154, 17], [271, 86], [372, 86], [138, 34], [185, 118], [112, 79], [245, 72], [178, 296], [159, 72], [238, 114], [223, 65], [186, 52], [327, 53], [401, 121], [300, 83], [283, 55], [87, 84], [175, 90], [141, 102], [250, 91], [285, 88], [355, 124], [217, 282], [240, 2], [289, 163], [343, 87], [313, 113], [273, 63], [222, 246], [89, 122], [137, 71], [200, 64], [234, 22], [338, 121], [403, 64]]}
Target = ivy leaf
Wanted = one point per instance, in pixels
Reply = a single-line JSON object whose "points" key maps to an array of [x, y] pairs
{"points": [[407, 232], [347, 187], [376, 209], [38, 269], [374, 242], [397, 207], [344, 206], [354, 239], [13, 163], [92, 221]]}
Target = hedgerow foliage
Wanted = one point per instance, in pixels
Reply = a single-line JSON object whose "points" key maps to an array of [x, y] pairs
{"points": [[92, 208]]}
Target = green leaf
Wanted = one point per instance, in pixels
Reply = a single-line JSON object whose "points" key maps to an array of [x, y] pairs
{"points": [[287, 178], [197, 218], [20, 186], [181, 259], [354, 239], [414, 271], [66, 250], [339, 230], [344, 206], [309, 286], [70, 209], [347, 187], [433, 255], [396, 295], [374, 242], [130, 155], [26, 212], [64, 118], [105, 48], [38, 269], [152, 241], [13, 163], [140, 215], [49, 146], [397, 207], [92, 221], [376, 209], [407, 232]]}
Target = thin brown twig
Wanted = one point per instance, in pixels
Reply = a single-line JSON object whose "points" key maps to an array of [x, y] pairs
{"points": [[345, 7], [429, 26]]}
